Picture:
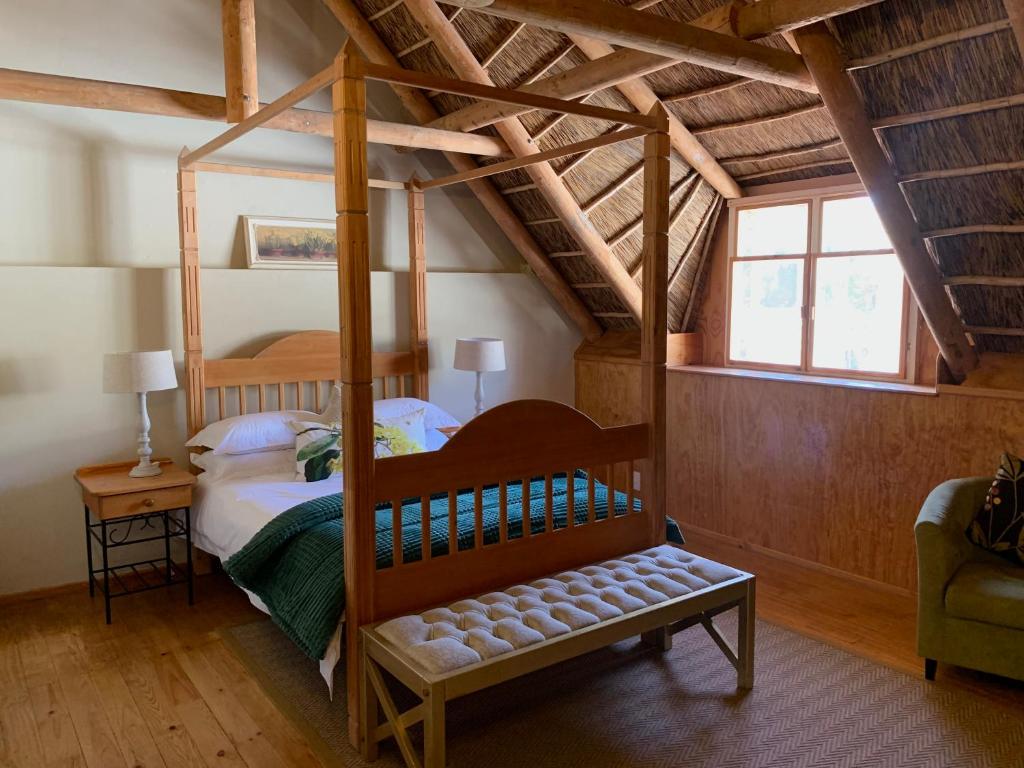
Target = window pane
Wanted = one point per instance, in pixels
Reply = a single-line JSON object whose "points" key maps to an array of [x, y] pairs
{"points": [[858, 313], [779, 230], [765, 325], [852, 224]]}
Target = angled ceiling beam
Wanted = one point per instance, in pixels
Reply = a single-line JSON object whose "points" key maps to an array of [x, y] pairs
{"points": [[603, 72], [421, 110], [769, 17], [825, 61], [146, 100], [454, 50], [655, 34], [1015, 12], [238, 23]]}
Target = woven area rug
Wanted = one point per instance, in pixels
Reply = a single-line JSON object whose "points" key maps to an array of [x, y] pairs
{"points": [[812, 705]]}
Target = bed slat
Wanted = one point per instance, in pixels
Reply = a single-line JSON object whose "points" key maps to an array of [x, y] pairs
{"points": [[609, 499], [453, 523], [396, 532], [629, 486], [549, 511], [591, 510], [425, 532], [570, 498], [502, 512], [526, 517], [478, 516]]}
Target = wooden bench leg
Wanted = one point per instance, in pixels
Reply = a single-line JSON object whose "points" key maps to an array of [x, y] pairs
{"points": [[659, 639], [745, 640], [433, 728], [369, 711]]}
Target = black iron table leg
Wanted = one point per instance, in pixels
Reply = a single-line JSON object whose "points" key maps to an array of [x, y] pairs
{"points": [[106, 571], [88, 553], [167, 547], [188, 555]]}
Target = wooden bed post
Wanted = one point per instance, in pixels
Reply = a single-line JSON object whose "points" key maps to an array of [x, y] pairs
{"points": [[191, 309], [351, 197], [654, 321], [418, 289]]}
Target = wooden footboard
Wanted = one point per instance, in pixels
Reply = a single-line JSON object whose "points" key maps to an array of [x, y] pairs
{"points": [[510, 444]]}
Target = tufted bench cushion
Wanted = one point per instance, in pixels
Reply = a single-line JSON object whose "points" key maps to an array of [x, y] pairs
{"points": [[469, 631]]}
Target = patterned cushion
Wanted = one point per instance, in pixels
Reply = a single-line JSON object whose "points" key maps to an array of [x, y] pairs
{"points": [[469, 631], [999, 525]]}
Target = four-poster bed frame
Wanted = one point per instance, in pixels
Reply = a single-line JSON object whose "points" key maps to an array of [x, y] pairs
{"points": [[508, 444]]}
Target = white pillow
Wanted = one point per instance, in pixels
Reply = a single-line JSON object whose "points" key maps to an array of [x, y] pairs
{"points": [[251, 432], [237, 466], [434, 417]]}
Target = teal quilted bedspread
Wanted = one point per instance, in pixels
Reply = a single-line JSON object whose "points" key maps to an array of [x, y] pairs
{"points": [[295, 563]]}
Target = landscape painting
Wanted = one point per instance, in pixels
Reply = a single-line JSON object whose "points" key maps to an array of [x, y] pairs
{"points": [[280, 243]]}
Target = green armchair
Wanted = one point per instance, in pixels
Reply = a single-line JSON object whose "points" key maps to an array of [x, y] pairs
{"points": [[970, 605]]}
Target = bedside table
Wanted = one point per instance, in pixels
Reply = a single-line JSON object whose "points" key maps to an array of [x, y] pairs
{"points": [[120, 505]]}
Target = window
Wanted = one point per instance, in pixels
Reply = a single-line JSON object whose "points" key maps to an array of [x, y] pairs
{"points": [[815, 286]]}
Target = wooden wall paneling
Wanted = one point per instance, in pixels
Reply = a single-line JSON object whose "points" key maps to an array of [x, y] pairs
{"points": [[352, 203], [418, 289], [191, 306]]}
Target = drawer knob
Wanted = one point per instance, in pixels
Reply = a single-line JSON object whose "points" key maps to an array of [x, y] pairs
{"points": [[148, 503]]}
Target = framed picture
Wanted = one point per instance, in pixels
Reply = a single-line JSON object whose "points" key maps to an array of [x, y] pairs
{"points": [[282, 243]]}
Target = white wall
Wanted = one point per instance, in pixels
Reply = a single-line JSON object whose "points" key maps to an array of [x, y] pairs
{"points": [[88, 253]]}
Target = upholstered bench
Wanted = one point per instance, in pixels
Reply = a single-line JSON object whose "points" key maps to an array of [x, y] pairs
{"points": [[444, 653]]}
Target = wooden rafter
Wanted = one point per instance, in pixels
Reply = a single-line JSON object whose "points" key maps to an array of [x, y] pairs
{"points": [[614, 188], [825, 61], [141, 99], [942, 113], [710, 90], [655, 34], [701, 270], [642, 97], [1015, 13], [768, 17], [528, 160], [548, 65], [505, 42], [238, 22], [684, 206], [458, 55], [791, 168], [782, 153], [928, 44], [992, 281], [975, 229], [955, 173], [623, 234], [604, 72], [762, 120], [420, 108], [698, 235]]}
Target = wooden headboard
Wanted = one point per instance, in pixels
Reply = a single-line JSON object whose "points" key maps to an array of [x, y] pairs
{"points": [[296, 371]]}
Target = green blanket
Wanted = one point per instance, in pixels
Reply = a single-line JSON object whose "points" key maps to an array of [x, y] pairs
{"points": [[295, 563]]}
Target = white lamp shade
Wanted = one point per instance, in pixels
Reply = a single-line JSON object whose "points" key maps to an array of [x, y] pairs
{"points": [[479, 354], [138, 371]]}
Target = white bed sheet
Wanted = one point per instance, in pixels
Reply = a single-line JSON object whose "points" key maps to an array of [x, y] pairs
{"points": [[226, 514]]}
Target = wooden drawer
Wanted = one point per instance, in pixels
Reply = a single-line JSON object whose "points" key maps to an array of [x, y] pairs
{"points": [[127, 504]]}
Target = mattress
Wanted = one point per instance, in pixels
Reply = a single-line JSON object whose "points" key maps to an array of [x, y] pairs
{"points": [[226, 514]]}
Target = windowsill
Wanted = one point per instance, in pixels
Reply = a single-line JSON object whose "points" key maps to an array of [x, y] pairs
{"points": [[803, 378]]}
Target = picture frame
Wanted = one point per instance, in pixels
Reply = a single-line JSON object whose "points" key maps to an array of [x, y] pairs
{"points": [[275, 242]]}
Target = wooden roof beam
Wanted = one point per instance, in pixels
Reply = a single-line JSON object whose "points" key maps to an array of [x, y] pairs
{"points": [[1015, 13], [421, 110], [768, 17], [65, 91], [823, 57], [655, 34], [604, 72], [238, 24], [458, 55]]}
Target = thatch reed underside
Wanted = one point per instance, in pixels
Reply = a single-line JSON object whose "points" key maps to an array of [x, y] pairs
{"points": [[742, 124]]}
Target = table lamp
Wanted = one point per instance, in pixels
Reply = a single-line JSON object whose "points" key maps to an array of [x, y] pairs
{"points": [[140, 372], [479, 355]]}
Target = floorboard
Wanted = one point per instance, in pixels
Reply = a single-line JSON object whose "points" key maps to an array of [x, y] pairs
{"points": [[160, 688]]}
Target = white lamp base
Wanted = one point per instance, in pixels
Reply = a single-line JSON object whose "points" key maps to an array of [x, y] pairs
{"points": [[145, 468]]}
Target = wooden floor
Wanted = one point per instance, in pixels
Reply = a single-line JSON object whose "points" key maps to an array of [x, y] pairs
{"points": [[159, 687]]}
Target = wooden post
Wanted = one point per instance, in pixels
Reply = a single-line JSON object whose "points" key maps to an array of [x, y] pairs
{"points": [[238, 21], [1015, 12], [352, 203], [826, 63], [654, 323], [191, 308], [418, 289]]}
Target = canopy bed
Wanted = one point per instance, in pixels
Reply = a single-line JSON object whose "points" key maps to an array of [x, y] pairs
{"points": [[527, 489]]}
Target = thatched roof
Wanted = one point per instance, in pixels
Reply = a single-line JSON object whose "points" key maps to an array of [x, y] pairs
{"points": [[763, 133]]}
